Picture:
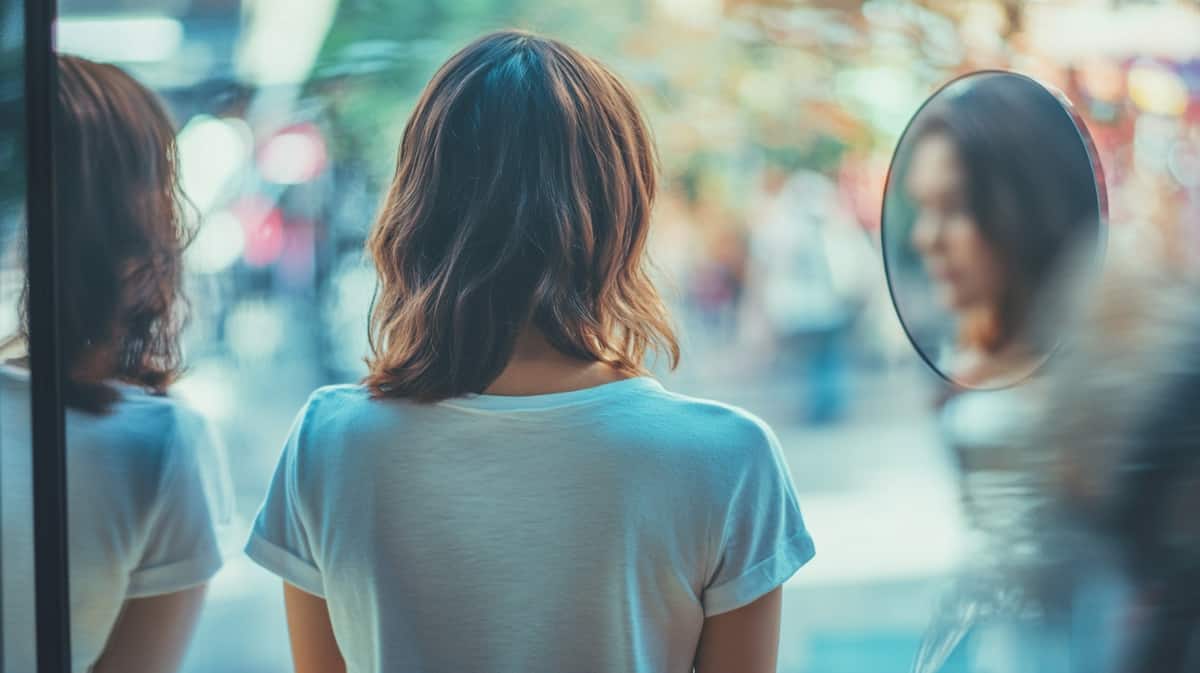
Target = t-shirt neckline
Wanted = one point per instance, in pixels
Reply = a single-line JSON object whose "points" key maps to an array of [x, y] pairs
{"points": [[552, 400]]}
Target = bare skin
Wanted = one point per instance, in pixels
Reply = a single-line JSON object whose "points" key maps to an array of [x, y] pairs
{"points": [[314, 649], [745, 640], [537, 369], [152, 634]]}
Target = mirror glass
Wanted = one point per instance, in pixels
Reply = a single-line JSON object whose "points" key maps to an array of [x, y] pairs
{"points": [[994, 206]]}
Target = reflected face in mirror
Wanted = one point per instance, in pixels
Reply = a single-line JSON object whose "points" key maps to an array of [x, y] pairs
{"points": [[992, 203], [963, 264]]}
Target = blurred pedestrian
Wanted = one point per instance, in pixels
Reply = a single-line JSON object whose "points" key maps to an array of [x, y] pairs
{"points": [[809, 273], [718, 271]]}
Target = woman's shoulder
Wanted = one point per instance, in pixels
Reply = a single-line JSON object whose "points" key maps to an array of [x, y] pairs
{"points": [[145, 441], [338, 407], [720, 446], [710, 424], [339, 400], [172, 419], [709, 410], [138, 418], [340, 394]]}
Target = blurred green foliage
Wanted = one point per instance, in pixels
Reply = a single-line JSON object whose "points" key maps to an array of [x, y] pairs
{"points": [[722, 99]]}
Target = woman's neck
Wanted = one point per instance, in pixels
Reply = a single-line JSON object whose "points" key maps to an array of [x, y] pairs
{"points": [[537, 368]]}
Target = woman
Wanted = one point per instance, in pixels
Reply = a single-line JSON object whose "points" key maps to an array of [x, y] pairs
{"points": [[1007, 219], [1005, 194], [141, 539], [507, 491], [807, 277]]}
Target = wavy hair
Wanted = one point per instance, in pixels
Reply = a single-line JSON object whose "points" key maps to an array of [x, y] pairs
{"points": [[121, 238], [522, 198]]}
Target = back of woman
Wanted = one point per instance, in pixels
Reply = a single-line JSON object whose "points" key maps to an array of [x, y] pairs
{"points": [[142, 470], [140, 524], [508, 490]]}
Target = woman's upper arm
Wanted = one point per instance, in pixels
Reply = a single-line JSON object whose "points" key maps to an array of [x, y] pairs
{"points": [[152, 633], [745, 640], [314, 649]]}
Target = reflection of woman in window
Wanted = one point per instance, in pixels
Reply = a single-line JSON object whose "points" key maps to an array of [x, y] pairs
{"points": [[142, 543], [509, 491], [1004, 188]]}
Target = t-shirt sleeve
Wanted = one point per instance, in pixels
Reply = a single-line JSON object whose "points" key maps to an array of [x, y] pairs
{"points": [[181, 549], [764, 540], [279, 539]]}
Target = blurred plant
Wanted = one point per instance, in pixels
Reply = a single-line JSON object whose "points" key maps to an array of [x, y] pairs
{"points": [[758, 83]]}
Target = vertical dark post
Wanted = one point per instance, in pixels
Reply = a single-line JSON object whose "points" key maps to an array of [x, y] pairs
{"points": [[49, 442]]}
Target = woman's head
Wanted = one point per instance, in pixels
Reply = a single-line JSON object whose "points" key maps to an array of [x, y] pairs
{"points": [[1004, 188], [521, 200], [119, 232]]}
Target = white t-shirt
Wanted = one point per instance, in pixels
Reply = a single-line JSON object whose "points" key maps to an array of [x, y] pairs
{"points": [[138, 514], [590, 530]]}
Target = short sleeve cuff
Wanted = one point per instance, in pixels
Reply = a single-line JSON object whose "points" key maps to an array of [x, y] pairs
{"points": [[173, 577], [289, 567], [762, 578]]}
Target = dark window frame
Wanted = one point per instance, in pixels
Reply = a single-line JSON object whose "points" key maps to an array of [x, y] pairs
{"points": [[49, 457]]}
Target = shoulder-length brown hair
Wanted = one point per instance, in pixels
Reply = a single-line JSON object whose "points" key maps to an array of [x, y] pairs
{"points": [[1031, 188], [522, 197], [120, 235]]}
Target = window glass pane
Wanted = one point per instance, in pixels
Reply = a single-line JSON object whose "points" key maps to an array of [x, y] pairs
{"points": [[775, 124], [16, 478], [148, 486]]}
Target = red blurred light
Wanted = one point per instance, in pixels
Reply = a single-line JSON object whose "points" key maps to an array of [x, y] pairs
{"points": [[294, 155], [262, 223]]}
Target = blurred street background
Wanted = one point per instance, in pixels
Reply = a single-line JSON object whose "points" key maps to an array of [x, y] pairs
{"points": [[775, 120]]}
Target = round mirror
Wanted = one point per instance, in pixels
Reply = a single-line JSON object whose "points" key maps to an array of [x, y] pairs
{"points": [[994, 205]]}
